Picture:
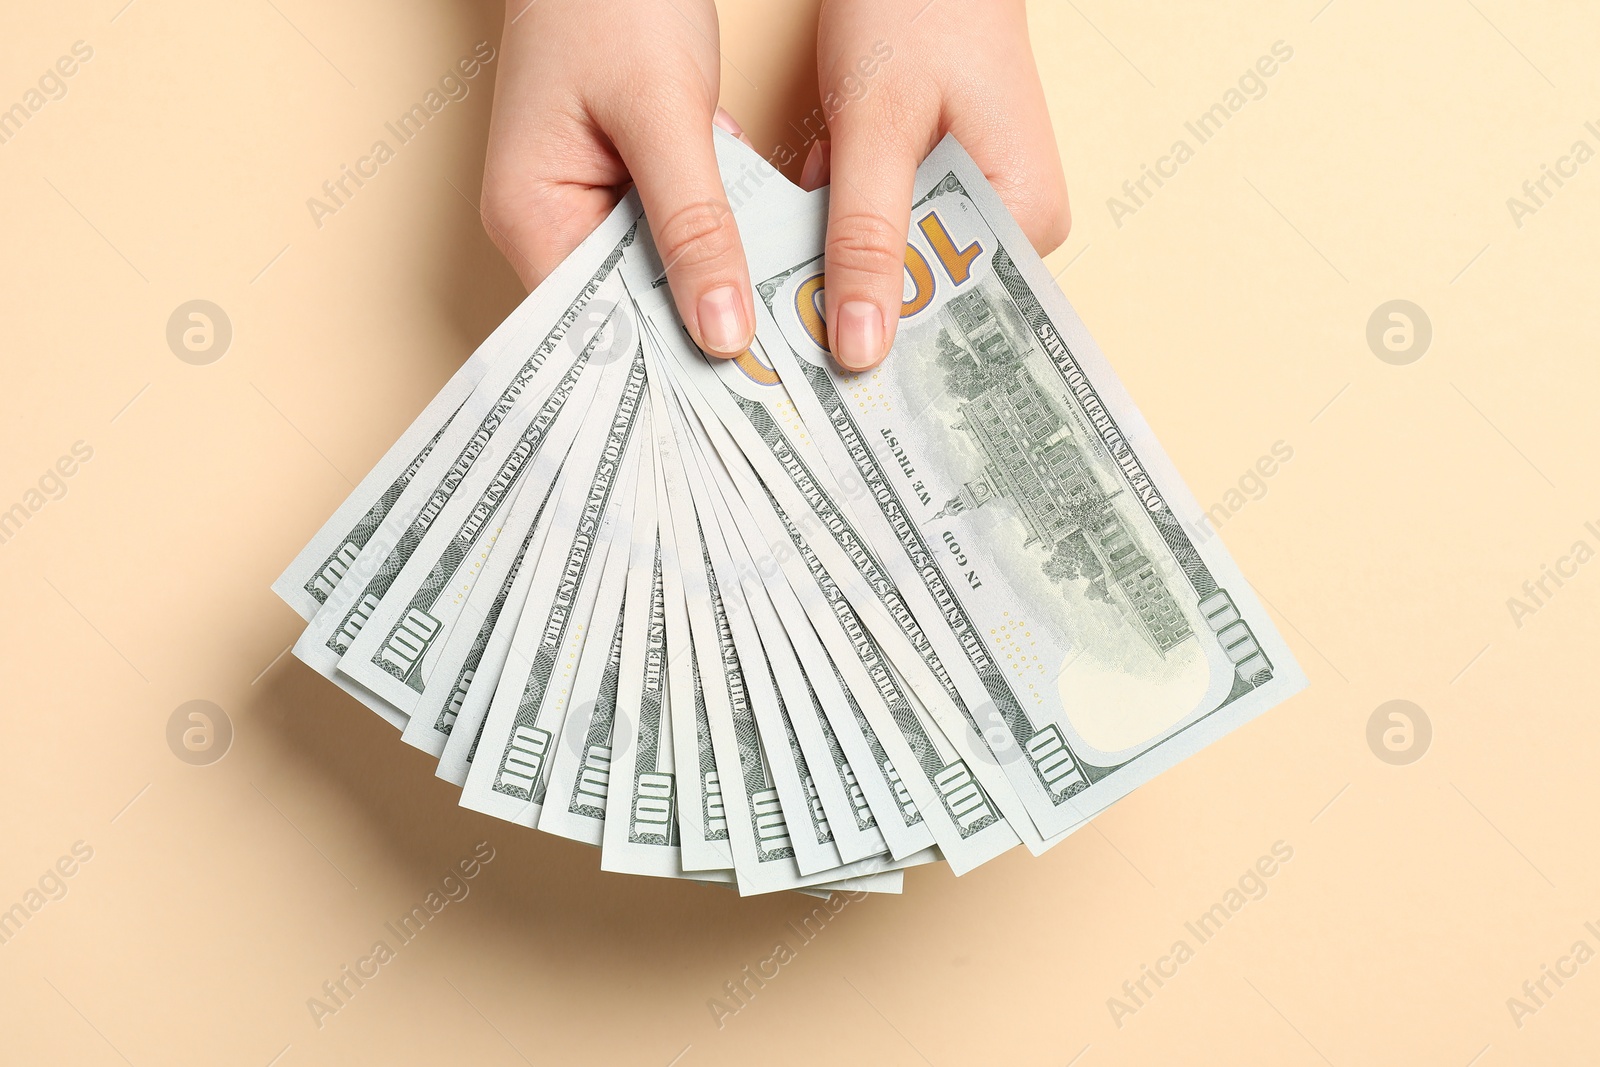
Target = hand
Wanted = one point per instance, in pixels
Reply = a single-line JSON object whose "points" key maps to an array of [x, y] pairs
{"points": [[592, 95], [961, 68]]}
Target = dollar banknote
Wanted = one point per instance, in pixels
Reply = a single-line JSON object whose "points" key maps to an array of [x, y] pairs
{"points": [[509, 777], [484, 660], [461, 654], [1006, 467], [816, 778], [639, 831], [514, 388], [322, 565], [694, 678], [580, 774], [930, 782], [397, 647], [767, 625]]}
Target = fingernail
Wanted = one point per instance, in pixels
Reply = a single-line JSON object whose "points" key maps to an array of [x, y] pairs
{"points": [[727, 122], [815, 166], [723, 328], [858, 338]]}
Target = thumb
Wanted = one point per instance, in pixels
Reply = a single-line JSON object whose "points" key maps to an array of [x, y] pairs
{"points": [[869, 213], [535, 224], [674, 167]]}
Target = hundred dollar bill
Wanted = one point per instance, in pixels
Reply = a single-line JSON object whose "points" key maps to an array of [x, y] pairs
{"points": [[580, 771], [753, 187], [508, 778], [536, 718], [399, 644], [821, 781], [461, 660], [970, 789], [766, 851], [321, 566], [731, 659], [580, 775], [965, 804], [702, 819], [514, 386], [599, 659], [640, 823], [594, 683], [482, 664], [1005, 467], [879, 808]]}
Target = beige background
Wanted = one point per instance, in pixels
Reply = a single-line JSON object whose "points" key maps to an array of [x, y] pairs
{"points": [[1234, 303]]}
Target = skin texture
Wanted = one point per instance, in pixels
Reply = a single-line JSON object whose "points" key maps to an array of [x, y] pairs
{"points": [[581, 110], [958, 68], [593, 94]]}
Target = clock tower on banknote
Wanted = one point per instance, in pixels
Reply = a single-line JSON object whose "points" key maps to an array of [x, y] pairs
{"points": [[1038, 463]]}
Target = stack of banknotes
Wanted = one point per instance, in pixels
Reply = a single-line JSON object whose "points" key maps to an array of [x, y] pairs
{"points": [[765, 623]]}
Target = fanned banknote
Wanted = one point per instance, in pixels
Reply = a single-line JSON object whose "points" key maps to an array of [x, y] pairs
{"points": [[763, 624]]}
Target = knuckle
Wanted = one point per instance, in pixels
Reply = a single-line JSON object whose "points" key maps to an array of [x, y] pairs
{"points": [[696, 234], [493, 219], [519, 220], [1055, 221], [865, 243], [495, 224], [1039, 205], [499, 209], [1063, 225]]}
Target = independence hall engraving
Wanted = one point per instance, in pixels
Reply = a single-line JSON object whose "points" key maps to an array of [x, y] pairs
{"points": [[1035, 460]]}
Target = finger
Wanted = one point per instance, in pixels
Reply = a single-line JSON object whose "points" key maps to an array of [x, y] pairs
{"points": [[724, 121], [535, 224], [815, 171], [1021, 162], [674, 167], [1039, 200], [1015, 144], [869, 213]]}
